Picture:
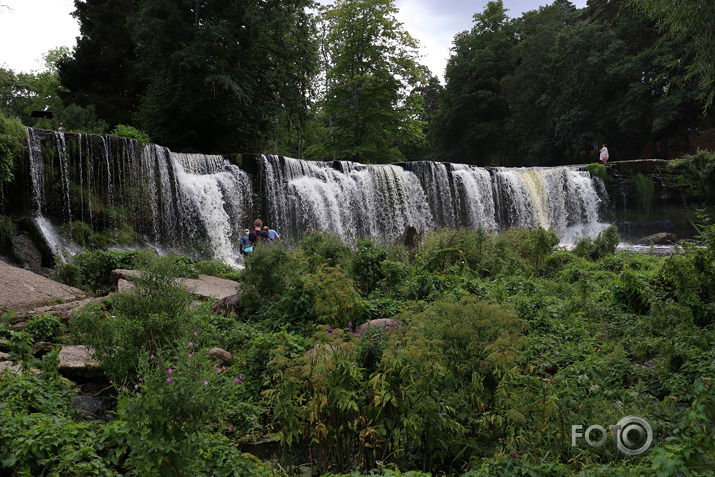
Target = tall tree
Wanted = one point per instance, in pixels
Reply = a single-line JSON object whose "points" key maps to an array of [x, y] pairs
{"points": [[102, 71], [217, 70], [371, 68], [691, 23], [470, 124]]}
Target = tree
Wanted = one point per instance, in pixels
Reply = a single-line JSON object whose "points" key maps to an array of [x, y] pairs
{"points": [[691, 23], [371, 68], [102, 71], [218, 72], [471, 121]]}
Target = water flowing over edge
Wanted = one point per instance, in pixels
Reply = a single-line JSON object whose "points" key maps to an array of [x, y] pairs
{"points": [[201, 203]]}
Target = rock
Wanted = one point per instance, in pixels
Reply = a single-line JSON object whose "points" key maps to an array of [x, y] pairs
{"points": [[221, 355], [5, 356], [207, 286], [41, 348], [5, 345], [228, 305], [21, 289], [662, 238], [25, 250], [16, 369], [203, 287], [121, 274], [410, 238], [7, 366], [123, 285], [387, 324], [19, 326], [77, 362]]}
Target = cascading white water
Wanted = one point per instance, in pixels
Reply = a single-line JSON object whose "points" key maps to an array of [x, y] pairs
{"points": [[36, 168], [200, 203], [363, 201], [558, 198], [215, 192], [473, 194]]}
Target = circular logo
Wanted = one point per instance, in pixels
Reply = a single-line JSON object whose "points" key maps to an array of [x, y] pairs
{"points": [[634, 435]]}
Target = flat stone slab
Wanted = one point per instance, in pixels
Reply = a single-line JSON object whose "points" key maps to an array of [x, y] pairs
{"points": [[76, 362], [21, 289], [205, 286]]}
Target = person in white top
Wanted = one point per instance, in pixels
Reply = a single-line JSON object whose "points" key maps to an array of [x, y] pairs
{"points": [[604, 154]]}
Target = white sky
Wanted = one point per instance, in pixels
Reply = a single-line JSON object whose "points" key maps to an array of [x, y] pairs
{"points": [[32, 27]]}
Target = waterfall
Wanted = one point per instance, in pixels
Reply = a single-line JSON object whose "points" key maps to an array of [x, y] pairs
{"points": [[363, 201], [199, 204]]}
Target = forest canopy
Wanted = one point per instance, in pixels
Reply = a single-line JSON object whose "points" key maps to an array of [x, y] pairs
{"points": [[344, 81]]}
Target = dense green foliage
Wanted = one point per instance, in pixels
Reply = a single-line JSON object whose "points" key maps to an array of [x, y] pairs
{"points": [[102, 71], [13, 139], [504, 342], [220, 74], [690, 23], [344, 81], [561, 81], [371, 67]]}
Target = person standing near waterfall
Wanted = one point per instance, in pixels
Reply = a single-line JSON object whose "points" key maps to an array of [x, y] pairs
{"points": [[245, 243], [604, 153], [257, 233], [272, 234]]}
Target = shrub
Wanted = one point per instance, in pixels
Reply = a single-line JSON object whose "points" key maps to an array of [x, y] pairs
{"points": [[365, 265], [324, 247], [91, 271], [149, 317], [13, 138], [336, 302], [180, 393], [265, 277], [442, 249], [603, 245], [598, 170], [216, 269], [131, 132], [43, 328]]}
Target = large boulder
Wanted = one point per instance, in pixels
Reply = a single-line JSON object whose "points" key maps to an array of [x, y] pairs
{"points": [[410, 238], [662, 238], [22, 290], [228, 305], [221, 356], [387, 324]]}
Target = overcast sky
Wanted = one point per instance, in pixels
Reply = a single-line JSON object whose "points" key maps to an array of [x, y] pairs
{"points": [[29, 28]]}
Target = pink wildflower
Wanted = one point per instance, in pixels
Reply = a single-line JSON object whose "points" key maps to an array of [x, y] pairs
{"points": [[169, 379]]}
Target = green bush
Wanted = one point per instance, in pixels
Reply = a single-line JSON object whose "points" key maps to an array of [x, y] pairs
{"points": [[180, 393], [602, 246], [13, 140], [151, 316], [598, 170], [365, 266], [43, 328], [131, 132], [324, 247], [216, 269], [91, 271]]}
